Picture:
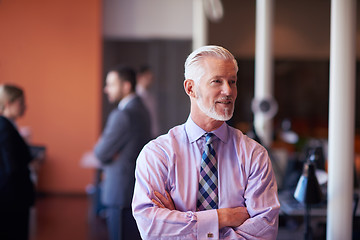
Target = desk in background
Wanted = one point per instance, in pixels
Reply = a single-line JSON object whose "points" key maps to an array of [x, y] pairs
{"points": [[291, 207]]}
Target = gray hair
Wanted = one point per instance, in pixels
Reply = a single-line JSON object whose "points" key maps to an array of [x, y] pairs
{"points": [[193, 68]]}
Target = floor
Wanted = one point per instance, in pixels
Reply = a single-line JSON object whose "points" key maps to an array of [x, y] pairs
{"points": [[71, 218], [65, 217]]}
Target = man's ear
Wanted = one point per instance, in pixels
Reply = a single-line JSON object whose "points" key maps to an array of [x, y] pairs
{"points": [[189, 86]]}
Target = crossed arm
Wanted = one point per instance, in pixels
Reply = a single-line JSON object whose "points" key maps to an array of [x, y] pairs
{"points": [[227, 217], [164, 210]]}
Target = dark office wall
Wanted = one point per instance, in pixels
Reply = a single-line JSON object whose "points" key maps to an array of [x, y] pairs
{"points": [[301, 47], [166, 58], [301, 89], [301, 52]]}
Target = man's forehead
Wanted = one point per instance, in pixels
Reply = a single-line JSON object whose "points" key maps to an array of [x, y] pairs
{"points": [[113, 75], [219, 64]]}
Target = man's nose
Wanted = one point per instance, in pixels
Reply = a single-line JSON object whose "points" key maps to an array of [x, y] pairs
{"points": [[226, 88]]}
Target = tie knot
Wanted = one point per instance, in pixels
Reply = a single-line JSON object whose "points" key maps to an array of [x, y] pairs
{"points": [[209, 137]]}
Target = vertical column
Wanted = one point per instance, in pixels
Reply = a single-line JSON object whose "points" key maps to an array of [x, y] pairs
{"points": [[341, 119], [264, 67], [200, 28]]}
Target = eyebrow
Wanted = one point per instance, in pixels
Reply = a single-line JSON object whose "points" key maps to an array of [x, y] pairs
{"points": [[220, 76]]}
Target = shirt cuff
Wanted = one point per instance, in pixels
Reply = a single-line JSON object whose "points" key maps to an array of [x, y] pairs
{"points": [[208, 225]]}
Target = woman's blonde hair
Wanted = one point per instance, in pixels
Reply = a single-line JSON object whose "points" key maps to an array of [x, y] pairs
{"points": [[9, 93]]}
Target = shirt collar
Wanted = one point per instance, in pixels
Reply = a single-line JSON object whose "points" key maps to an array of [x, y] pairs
{"points": [[194, 132], [140, 89], [126, 100]]}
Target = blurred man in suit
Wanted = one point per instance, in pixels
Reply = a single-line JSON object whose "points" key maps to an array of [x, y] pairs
{"points": [[145, 79], [127, 130]]}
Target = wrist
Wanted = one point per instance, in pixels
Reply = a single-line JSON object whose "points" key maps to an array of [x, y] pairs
{"points": [[221, 218]]}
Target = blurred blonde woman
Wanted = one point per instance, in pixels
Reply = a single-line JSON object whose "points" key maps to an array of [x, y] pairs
{"points": [[16, 188]]}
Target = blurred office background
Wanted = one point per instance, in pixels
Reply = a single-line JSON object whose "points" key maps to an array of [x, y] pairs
{"points": [[59, 52]]}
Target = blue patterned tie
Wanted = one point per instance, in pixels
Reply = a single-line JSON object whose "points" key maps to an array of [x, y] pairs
{"points": [[208, 190]]}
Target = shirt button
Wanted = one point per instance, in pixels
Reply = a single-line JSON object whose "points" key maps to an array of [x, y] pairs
{"points": [[210, 235]]}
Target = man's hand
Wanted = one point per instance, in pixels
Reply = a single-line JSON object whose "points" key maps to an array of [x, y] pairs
{"points": [[165, 202], [232, 217], [228, 217]]}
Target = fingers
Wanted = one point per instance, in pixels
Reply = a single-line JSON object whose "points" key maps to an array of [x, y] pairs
{"points": [[241, 210], [162, 199], [170, 201], [160, 205], [232, 217], [241, 214], [164, 202]]}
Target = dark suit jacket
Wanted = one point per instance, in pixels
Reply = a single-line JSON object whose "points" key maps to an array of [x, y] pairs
{"points": [[125, 134], [16, 187]]}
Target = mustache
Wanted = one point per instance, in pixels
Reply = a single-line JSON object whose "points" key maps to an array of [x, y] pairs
{"points": [[226, 98]]}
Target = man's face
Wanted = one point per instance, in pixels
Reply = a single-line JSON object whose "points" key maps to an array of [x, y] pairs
{"points": [[113, 87], [146, 78], [216, 91]]}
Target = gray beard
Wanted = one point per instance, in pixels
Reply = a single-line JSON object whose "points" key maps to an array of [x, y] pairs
{"points": [[210, 112]]}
